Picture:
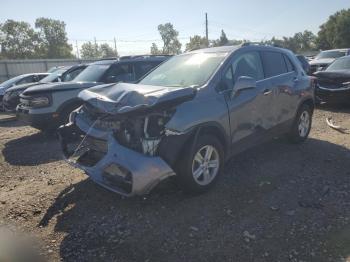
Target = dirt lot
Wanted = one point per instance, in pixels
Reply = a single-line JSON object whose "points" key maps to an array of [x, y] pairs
{"points": [[277, 202]]}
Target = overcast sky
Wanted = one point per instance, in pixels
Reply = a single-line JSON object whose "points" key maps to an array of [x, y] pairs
{"points": [[134, 23]]}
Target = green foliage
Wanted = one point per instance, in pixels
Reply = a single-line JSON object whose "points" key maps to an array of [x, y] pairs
{"points": [[335, 33], [91, 50], [196, 42], [53, 36], [18, 40], [172, 45], [300, 42], [221, 41], [107, 51], [155, 50]]}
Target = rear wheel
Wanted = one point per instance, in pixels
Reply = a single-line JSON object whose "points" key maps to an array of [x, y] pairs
{"points": [[302, 125], [201, 165]]}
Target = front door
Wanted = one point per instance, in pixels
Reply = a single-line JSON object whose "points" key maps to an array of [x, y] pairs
{"points": [[248, 109]]}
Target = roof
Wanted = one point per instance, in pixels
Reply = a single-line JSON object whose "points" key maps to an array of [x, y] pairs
{"points": [[219, 49], [136, 58], [230, 49]]}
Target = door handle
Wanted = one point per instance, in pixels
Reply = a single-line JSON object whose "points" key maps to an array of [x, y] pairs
{"points": [[267, 92]]}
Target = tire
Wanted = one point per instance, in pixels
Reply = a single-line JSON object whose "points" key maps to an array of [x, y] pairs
{"points": [[188, 164], [302, 125]]}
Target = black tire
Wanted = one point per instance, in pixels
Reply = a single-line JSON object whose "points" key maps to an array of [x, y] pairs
{"points": [[185, 176], [295, 135]]}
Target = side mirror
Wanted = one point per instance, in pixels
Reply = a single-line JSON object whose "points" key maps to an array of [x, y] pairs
{"points": [[243, 83]]}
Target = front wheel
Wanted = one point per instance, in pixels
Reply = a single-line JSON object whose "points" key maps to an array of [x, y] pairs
{"points": [[201, 165], [302, 125]]}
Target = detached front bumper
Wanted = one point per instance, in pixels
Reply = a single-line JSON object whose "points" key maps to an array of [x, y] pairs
{"points": [[333, 95], [112, 165]]}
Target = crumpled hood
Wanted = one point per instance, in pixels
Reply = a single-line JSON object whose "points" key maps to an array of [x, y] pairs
{"points": [[124, 98], [61, 86], [322, 61]]}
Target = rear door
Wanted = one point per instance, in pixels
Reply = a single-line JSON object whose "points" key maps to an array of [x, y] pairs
{"points": [[282, 77]]}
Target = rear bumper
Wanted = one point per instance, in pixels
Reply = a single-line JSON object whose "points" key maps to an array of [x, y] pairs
{"points": [[112, 165], [338, 95]]}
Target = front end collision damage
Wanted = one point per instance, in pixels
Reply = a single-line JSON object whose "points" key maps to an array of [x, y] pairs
{"points": [[125, 146]]}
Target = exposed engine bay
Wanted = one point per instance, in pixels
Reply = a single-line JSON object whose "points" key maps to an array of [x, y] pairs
{"points": [[141, 133]]}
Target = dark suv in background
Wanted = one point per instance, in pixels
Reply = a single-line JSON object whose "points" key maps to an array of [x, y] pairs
{"points": [[62, 74], [46, 107], [188, 116]]}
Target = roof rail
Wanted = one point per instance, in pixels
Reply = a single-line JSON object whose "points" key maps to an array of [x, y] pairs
{"points": [[141, 56], [107, 58], [259, 43]]}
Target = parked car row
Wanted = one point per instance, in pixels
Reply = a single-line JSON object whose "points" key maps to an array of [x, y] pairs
{"points": [[48, 106], [325, 58], [63, 74], [19, 80]]}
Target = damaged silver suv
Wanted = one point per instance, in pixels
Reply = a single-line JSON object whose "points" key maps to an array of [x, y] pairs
{"points": [[187, 117]]}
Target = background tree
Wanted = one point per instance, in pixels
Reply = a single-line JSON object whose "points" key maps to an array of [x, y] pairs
{"points": [[223, 40], [18, 40], [335, 33], [54, 41], [107, 51], [196, 42], [155, 50], [90, 50], [172, 45]]}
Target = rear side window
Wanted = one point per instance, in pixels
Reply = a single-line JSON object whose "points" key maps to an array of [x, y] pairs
{"points": [[290, 66], [248, 64], [143, 68], [273, 63]]}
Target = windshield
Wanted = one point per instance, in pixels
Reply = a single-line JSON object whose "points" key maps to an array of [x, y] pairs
{"points": [[330, 54], [11, 81], [53, 76], [185, 70], [340, 64], [92, 73]]}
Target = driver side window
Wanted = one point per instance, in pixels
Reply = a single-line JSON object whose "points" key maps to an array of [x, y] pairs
{"points": [[248, 64], [119, 73]]}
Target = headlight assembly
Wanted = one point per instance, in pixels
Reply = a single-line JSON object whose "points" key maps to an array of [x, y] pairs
{"points": [[40, 101]]}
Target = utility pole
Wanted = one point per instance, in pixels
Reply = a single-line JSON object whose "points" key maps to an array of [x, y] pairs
{"points": [[96, 47], [206, 28], [76, 45], [115, 47]]}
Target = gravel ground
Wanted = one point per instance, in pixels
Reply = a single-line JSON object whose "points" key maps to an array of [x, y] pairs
{"points": [[276, 202]]}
